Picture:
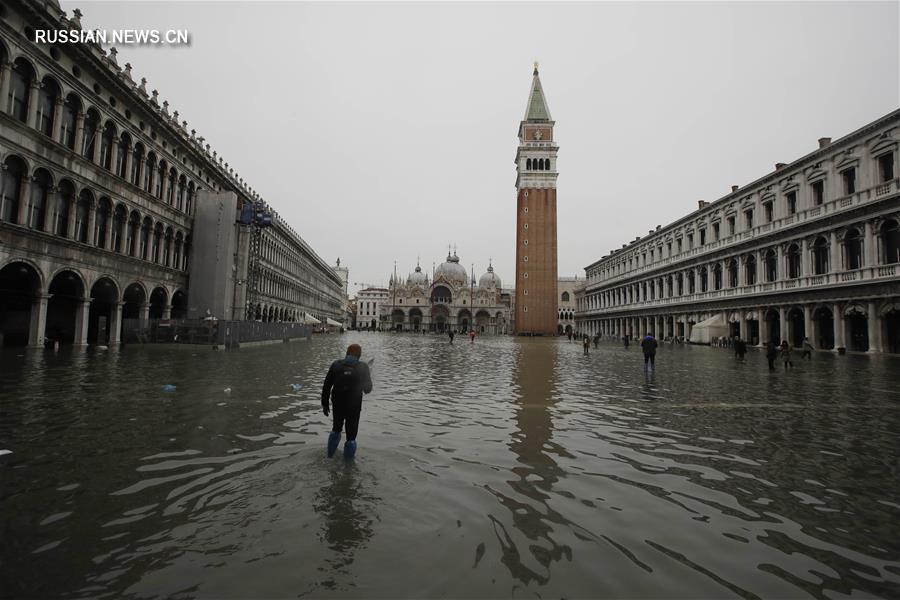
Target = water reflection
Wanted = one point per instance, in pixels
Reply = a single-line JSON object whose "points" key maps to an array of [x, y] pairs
{"points": [[348, 507], [533, 384]]}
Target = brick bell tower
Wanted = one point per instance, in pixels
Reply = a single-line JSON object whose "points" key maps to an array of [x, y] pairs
{"points": [[536, 270]]}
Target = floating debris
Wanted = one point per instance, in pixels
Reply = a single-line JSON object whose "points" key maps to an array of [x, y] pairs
{"points": [[169, 388], [296, 386]]}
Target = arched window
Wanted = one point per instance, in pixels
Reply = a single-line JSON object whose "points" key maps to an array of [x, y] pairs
{"points": [[11, 190], [37, 204], [136, 159], [732, 273], [106, 144], [793, 261], [70, 110], [528, 164], [679, 284], [20, 78], [546, 164], [690, 282], [820, 257], [704, 280], [670, 289], [146, 229], [120, 217], [750, 270], [91, 125], [170, 188], [167, 246], [890, 242], [717, 277], [853, 245], [160, 178], [134, 232], [65, 197], [149, 171], [157, 241], [182, 185], [82, 215], [771, 265], [189, 206], [102, 218], [47, 96], [565, 296], [122, 155]]}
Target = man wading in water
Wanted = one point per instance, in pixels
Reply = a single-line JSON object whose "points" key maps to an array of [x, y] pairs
{"points": [[346, 382]]}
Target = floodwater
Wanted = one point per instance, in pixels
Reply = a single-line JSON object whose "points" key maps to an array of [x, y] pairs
{"points": [[509, 467]]}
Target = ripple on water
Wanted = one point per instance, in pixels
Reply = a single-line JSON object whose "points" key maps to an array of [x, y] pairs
{"points": [[508, 466]]}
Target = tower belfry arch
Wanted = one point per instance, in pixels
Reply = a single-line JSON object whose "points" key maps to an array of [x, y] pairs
{"points": [[536, 249]]}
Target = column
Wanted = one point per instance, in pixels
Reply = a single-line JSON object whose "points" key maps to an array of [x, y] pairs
{"points": [[79, 133], [805, 271], [808, 324], [874, 329], [167, 312], [783, 324], [115, 324], [162, 183], [835, 254], [56, 132], [126, 163], [742, 321], [838, 326], [70, 224], [37, 327], [49, 208], [869, 244], [24, 201], [33, 101], [92, 223], [5, 70], [114, 154], [110, 223], [144, 314], [763, 326], [82, 313]]}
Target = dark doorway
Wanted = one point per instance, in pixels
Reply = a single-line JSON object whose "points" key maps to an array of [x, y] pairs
{"points": [[158, 298], [858, 327], [797, 328], [66, 295], [892, 327], [104, 298], [824, 328], [19, 286]]}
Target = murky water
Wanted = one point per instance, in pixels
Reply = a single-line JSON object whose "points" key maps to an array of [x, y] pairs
{"points": [[508, 468]]}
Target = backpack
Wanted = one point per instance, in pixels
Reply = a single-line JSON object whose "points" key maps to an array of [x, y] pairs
{"points": [[346, 381]]}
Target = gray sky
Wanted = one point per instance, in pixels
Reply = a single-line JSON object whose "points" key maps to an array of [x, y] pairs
{"points": [[385, 131]]}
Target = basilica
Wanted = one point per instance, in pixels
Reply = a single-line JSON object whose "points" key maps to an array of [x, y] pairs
{"points": [[451, 299]]}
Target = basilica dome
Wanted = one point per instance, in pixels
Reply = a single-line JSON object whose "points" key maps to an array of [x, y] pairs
{"points": [[489, 279], [417, 277], [451, 269]]}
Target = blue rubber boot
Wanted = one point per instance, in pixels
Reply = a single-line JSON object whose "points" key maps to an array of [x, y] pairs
{"points": [[334, 439], [349, 449]]}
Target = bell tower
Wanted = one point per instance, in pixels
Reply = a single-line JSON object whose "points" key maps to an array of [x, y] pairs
{"points": [[536, 269]]}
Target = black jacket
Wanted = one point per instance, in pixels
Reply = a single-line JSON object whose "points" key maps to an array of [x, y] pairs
{"points": [[346, 382], [648, 345]]}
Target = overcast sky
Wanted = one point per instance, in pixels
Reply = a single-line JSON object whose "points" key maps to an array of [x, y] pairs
{"points": [[385, 131]]}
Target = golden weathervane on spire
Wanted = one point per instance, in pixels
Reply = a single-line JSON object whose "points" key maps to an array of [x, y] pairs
{"points": [[536, 65]]}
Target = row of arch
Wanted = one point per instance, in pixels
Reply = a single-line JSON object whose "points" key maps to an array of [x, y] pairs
{"points": [[64, 118], [848, 254], [67, 307], [537, 164], [861, 326], [40, 202]]}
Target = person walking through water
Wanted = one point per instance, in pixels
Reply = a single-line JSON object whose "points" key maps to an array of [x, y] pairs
{"points": [[346, 382], [569, 335], [626, 341], [786, 355], [649, 345], [807, 349], [451, 334], [740, 348], [472, 335], [586, 344], [771, 354]]}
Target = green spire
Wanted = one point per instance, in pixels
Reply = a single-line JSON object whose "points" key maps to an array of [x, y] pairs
{"points": [[537, 105]]}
